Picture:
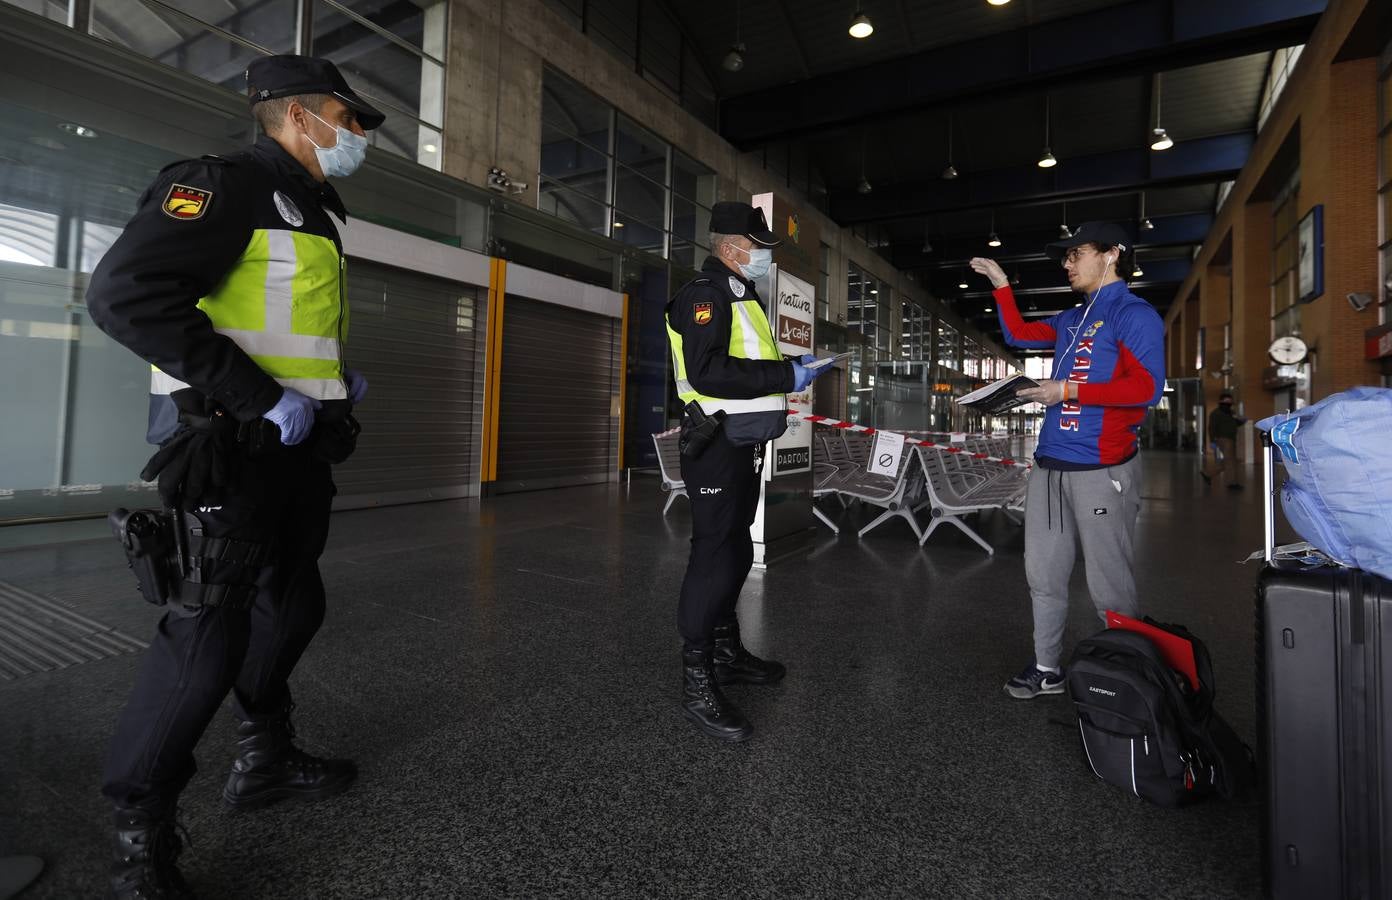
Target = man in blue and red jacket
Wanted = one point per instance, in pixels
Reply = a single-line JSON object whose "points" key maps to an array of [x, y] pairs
{"points": [[1109, 366]]}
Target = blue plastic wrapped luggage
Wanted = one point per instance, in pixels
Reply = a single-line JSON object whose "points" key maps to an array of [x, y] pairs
{"points": [[1338, 460]]}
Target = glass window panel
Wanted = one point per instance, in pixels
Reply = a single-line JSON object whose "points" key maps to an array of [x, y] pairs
{"points": [[573, 207], [693, 180], [575, 110], [685, 253], [689, 221], [378, 68], [638, 197], [96, 240], [639, 148], [409, 138], [1386, 157], [419, 21], [56, 10], [636, 233], [661, 47], [175, 40], [577, 166], [28, 237]]}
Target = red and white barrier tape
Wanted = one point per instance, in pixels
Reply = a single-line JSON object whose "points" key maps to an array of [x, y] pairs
{"points": [[941, 448], [866, 429]]}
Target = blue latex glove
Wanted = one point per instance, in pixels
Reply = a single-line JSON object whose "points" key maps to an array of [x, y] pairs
{"points": [[294, 415], [356, 383], [802, 376]]}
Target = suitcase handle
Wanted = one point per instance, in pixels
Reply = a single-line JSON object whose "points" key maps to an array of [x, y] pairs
{"points": [[1268, 496]]}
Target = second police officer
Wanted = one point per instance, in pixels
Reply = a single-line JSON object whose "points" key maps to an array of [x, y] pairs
{"points": [[733, 381], [228, 280]]}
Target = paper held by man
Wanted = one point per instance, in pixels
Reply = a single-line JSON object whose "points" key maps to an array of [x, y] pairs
{"points": [[999, 396]]}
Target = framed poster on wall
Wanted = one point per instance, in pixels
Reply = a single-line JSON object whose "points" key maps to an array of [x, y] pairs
{"points": [[1310, 266]]}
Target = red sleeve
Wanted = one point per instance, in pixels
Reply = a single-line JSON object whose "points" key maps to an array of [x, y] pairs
{"points": [[1018, 332], [1132, 384]]}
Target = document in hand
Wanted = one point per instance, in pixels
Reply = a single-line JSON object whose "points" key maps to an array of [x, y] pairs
{"points": [[998, 396], [828, 360]]}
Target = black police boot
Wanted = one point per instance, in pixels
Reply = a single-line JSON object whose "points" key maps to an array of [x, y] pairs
{"points": [[705, 705], [269, 767], [145, 848], [734, 664]]}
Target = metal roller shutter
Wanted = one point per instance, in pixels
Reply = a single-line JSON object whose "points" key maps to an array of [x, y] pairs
{"points": [[558, 422], [417, 340]]}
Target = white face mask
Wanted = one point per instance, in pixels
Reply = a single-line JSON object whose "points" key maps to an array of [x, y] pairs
{"points": [[760, 259], [344, 157]]}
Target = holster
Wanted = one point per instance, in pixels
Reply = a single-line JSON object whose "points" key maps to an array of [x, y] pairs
{"points": [[698, 430], [174, 561]]}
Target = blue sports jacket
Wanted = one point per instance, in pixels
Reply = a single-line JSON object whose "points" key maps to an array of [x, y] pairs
{"points": [[1116, 356]]}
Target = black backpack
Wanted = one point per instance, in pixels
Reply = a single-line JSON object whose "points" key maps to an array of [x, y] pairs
{"points": [[1144, 728]]}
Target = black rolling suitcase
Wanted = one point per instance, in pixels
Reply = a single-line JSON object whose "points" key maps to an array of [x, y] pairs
{"points": [[1324, 708]]}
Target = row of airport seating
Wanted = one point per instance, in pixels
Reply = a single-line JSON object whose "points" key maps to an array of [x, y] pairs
{"points": [[949, 487]]}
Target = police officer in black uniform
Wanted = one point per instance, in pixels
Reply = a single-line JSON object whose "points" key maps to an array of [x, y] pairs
{"points": [[733, 381], [228, 280]]}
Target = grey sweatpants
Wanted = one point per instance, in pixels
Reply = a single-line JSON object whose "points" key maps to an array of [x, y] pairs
{"points": [[1096, 509]]}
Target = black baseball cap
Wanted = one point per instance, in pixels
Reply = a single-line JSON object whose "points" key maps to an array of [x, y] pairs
{"points": [[1103, 234], [730, 217], [269, 77]]}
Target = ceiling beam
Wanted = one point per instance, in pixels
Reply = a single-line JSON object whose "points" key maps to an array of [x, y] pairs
{"points": [[1139, 37], [1200, 161], [1186, 230]]}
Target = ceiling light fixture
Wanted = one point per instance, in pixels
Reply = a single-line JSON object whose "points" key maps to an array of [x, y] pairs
{"points": [[860, 25], [962, 285], [1015, 277], [734, 60], [1159, 140], [994, 240], [81, 131], [1064, 231], [864, 187], [1146, 224], [951, 171], [1047, 161], [1137, 271], [997, 2]]}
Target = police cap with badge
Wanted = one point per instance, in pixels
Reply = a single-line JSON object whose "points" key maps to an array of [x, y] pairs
{"points": [[270, 77], [731, 217]]}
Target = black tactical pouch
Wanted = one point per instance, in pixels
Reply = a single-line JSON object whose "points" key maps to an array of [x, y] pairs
{"points": [[333, 442], [152, 551], [698, 430]]}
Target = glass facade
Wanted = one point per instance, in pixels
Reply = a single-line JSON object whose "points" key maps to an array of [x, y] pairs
{"points": [[392, 53], [647, 40], [609, 175], [73, 165]]}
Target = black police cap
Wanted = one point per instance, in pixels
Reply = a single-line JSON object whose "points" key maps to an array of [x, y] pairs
{"points": [[269, 77], [730, 217], [1103, 234]]}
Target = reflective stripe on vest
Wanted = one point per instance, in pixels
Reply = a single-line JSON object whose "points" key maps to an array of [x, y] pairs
{"points": [[750, 338], [281, 304]]}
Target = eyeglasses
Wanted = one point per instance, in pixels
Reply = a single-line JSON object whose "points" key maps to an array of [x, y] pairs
{"points": [[1076, 254]]}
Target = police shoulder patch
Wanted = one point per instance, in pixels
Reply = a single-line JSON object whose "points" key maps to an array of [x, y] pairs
{"points": [[736, 286], [701, 313], [186, 203]]}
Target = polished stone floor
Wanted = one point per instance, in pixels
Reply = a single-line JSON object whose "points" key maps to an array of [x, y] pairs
{"points": [[506, 674]]}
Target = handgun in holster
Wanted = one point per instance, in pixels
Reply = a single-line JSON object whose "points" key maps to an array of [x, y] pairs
{"points": [[150, 539], [174, 561], [698, 430]]}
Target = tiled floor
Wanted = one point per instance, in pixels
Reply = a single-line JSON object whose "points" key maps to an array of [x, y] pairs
{"points": [[506, 674]]}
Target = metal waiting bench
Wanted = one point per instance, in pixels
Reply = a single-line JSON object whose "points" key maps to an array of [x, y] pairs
{"points": [[948, 504], [669, 462]]}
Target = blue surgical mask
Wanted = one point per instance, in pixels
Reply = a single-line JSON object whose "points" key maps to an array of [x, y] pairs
{"points": [[344, 157], [760, 258]]}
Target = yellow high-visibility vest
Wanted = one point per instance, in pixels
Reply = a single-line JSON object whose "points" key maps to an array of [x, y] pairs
{"points": [[282, 303], [747, 421]]}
